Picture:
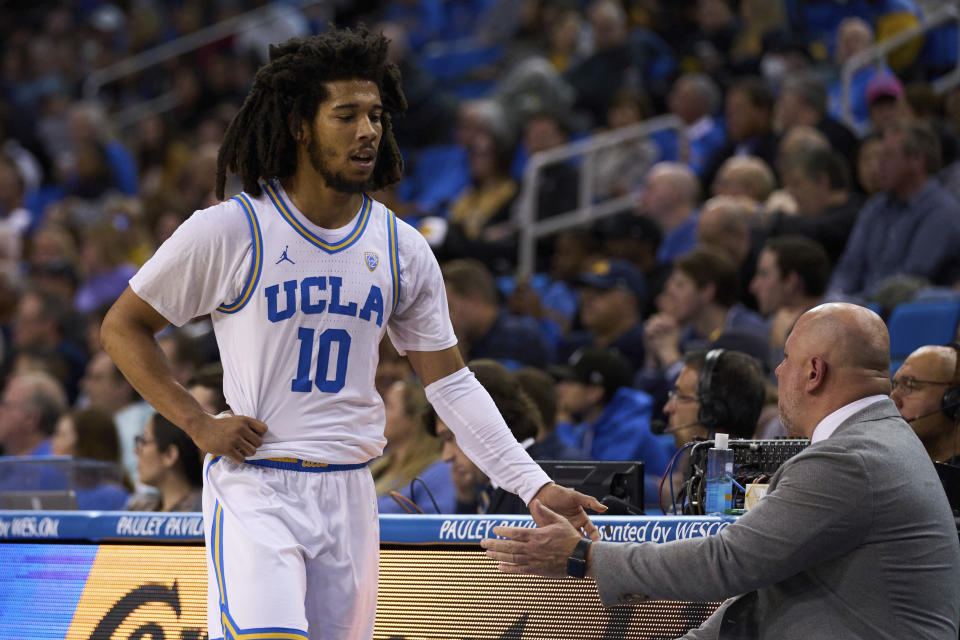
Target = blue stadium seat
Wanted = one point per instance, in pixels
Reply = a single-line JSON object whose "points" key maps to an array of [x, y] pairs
{"points": [[914, 324]]}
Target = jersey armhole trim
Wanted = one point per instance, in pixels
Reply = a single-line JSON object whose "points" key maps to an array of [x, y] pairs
{"points": [[394, 257], [256, 267]]}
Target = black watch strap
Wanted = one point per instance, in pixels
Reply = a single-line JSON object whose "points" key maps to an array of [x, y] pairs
{"points": [[577, 562]]}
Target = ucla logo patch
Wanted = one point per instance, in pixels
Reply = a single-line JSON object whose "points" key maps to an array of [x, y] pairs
{"points": [[371, 259]]}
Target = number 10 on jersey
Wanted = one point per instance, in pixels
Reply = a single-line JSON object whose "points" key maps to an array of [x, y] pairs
{"points": [[329, 341]]}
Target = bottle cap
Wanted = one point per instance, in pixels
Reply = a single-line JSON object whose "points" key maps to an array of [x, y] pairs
{"points": [[721, 441]]}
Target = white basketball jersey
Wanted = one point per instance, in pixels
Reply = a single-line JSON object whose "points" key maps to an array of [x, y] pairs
{"points": [[299, 344]]}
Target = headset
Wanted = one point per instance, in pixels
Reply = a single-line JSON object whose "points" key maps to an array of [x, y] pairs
{"points": [[950, 402], [714, 411]]}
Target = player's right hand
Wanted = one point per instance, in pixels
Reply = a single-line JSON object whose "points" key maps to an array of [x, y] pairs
{"points": [[234, 437]]}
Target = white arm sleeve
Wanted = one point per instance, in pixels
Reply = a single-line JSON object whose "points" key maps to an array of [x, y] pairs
{"points": [[468, 410]]}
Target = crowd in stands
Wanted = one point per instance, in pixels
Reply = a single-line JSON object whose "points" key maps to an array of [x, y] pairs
{"points": [[776, 194]]}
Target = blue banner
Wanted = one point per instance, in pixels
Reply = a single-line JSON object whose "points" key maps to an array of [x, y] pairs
{"points": [[465, 529], [96, 526], [100, 525]]}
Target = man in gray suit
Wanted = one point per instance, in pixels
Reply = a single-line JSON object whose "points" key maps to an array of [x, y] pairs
{"points": [[855, 538]]}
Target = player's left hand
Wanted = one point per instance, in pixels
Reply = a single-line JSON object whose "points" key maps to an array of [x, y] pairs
{"points": [[542, 551], [570, 504]]}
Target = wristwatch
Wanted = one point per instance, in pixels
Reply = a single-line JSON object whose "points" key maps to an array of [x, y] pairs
{"points": [[577, 562]]}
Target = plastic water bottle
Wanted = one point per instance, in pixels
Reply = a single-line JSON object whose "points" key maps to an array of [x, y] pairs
{"points": [[719, 476]]}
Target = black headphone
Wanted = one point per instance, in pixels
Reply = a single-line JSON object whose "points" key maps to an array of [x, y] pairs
{"points": [[950, 402], [714, 411]]}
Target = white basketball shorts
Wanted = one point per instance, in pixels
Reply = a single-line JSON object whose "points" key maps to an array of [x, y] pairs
{"points": [[292, 552]]}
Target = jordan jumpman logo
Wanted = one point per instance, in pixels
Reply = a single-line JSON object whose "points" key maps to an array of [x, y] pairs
{"points": [[283, 256]]}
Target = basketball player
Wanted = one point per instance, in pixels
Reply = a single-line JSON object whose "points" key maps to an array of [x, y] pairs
{"points": [[302, 274]]}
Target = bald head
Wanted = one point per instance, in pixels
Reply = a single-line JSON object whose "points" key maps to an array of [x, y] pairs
{"points": [[693, 96], [678, 178], [725, 223], [848, 336], [938, 362], [943, 358], [802, 139], [669, 194], [837, 353], [745, 176], [730, 211]]}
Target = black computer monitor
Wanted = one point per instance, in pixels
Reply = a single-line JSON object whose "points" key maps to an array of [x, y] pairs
{"points": [[622, 481]]}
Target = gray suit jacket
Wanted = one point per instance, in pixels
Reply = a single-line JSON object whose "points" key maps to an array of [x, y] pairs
{"points": [[855, 539]]}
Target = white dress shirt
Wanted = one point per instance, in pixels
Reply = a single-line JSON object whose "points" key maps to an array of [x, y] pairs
{"points": [[828, 425]]}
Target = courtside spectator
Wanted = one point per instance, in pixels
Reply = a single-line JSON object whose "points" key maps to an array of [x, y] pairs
{"points": [[89, 434], [609, 419], [745, 177], [749, 116], [791, 278], [803, 102], [819, 184], [483, 329], [474, 492], [410, 464], [669, 198], [541, 387], [41, 320], [910, 228], [610, 297], [30, 406], [106, 389], [697, 305], [695, 99], [168, 461]]}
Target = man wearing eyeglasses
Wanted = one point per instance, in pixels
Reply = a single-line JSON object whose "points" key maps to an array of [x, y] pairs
{"points": [[918, 390], [738, 388], [853, 540]]}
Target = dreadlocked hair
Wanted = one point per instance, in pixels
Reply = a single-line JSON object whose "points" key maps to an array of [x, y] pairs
{"points": [[260, 142]]}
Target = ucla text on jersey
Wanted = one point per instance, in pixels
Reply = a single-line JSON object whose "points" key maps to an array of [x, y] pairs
{"points": [[318, 308], [307, 296]]}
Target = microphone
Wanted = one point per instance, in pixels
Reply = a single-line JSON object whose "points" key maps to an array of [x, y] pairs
{"points": [[924, 415], [659, 427]]}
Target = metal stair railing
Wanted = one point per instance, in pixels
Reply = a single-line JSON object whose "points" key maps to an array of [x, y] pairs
{"points": [[586, 211], [99, 78], [877, 53]]}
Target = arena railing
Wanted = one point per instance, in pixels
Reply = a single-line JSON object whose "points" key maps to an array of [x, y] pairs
{"points": [[152, 57], [587, 210], [877, 54]]}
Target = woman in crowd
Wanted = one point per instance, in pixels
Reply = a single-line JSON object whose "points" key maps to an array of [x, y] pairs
{"points": [[91, 435], [168, 460], [411, 453], [479, 217]]}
